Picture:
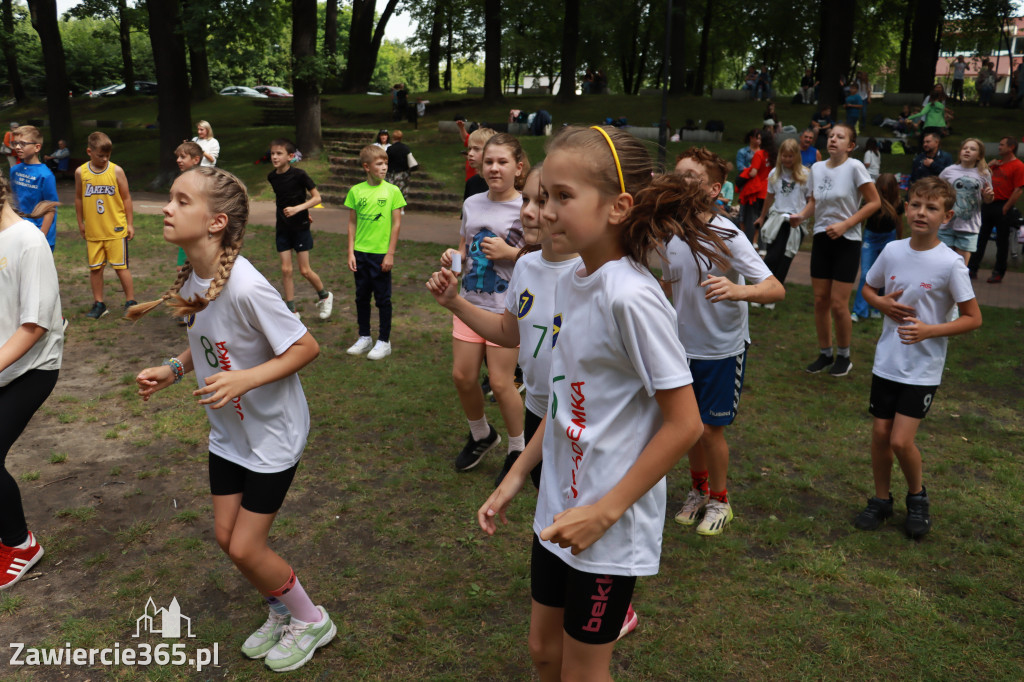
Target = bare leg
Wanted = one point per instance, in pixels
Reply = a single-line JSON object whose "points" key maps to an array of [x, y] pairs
{"points": [[881, 457], [840, 306], [501, 365], [286, 275], [96, 283], [904, 430], [125, 276], [716, 454], [306, 271], [822, 300], [242, 535], [586, 662], [466, 360], [546, 635]]}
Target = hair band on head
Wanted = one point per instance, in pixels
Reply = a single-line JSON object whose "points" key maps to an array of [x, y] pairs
{"points": [[615, 155]]}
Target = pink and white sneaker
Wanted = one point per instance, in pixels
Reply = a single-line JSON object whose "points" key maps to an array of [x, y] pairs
{"points": [[15, 563], [629, 624]]}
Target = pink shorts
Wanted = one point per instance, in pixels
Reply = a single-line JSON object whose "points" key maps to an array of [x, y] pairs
{"points": [[462, 332]]}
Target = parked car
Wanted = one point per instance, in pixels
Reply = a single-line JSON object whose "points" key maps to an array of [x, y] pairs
{"points": [[141, 88], [99, 92], [241, 91], [272, 91]]}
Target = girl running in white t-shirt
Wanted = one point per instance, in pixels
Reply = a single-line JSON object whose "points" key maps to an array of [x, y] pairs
{"points": [[31, 348], [787, 194], [972, 182], [491, 236], [621, 410], [837, 187], [246, 348]]}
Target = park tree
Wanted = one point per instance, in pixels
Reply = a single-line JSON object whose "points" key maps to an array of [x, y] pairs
{"points": [[570, 51], [492, 50], [836, 42], [174, 109], [919, 50], [44, 21], [447, 31], [123, 18], [364, 41], [306, 73], [196, 27], [10, 48], [677, 55]]}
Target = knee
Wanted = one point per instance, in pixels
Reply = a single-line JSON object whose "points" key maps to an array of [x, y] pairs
{"points": [[223, 536], [305, 271], [545, 654], [286, 270], [243, 555], [901, 446], [840, 306], [463, 380], [501, 383]]}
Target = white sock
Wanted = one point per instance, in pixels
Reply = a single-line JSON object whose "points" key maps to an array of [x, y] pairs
{"points": [[517, 443], [827, 352], [24, 545], [843, 352], [479, 428]]}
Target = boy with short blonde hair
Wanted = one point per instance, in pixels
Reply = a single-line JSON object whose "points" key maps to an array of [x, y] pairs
{"points": [[922, 279], [103, 207], [33, 181], [374, 219]]}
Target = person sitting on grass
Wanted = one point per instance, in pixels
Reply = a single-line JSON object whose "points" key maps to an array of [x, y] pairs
{"points": [[922, 280]]}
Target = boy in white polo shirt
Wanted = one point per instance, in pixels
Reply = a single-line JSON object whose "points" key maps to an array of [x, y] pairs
{"points": [[711, 309], [922, 279]]}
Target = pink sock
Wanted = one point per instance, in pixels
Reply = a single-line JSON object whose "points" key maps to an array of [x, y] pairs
{"points": [[298, 602]]}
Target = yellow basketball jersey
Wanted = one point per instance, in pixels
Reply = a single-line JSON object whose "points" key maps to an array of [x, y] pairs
{"points": [[102, 205]]}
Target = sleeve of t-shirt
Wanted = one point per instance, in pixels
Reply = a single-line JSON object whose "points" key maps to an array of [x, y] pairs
{"points": [[397, 199], [648, 331], [1018, 175], [307, 181], [214, 150], [263, 307], [38, 289], [350, 199], [876, 275], [960, 282], [772, 183], [860, 175], [512, 293], [745, 260], [810, 179], [49, 188]]}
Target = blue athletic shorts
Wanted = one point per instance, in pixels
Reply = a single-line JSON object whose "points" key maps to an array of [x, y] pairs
{"points": [[717, 384]]}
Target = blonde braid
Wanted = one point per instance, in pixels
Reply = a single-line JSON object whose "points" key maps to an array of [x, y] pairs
{"points": [[227, 261], [140, 309]]}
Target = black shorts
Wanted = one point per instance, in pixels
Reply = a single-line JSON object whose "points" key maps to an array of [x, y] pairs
{"points": [[261, 493], [889, 398], [835, 259], [595, 605], [294, 240]]}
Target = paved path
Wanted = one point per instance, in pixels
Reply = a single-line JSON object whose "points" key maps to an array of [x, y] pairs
{"points": [[443, 228]]}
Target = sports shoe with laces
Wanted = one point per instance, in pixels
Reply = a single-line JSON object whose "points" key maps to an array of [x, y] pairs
{"points": [[324, 306], [299, 641], [693, 507], [841, 367], [510, 459], [99, 309], [629, 624], [475, 450], [15, 563], [128, 304], [381, 350], [362, 345], [918, 521], [716, 515], [266, 637], [823, 362], [875, 514]]}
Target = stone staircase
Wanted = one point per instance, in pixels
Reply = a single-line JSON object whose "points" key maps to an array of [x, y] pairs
{"points": [[342, 149], [276, 111]]}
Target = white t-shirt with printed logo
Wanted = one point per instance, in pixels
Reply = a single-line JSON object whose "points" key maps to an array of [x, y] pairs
{"points": [[531, 298], [790, 195], [614, 344], [968, 184], [712, 331], [932, 281], [837, 195], [248, 324]]}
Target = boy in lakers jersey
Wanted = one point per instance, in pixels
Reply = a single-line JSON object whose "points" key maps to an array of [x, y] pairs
{"points": [[103, 207]]}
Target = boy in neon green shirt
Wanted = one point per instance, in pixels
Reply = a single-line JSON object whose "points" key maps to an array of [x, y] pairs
{"points": [[374, 219]]}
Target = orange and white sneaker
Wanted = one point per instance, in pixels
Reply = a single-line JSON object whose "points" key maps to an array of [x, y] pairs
{"points": [[15, 563]]}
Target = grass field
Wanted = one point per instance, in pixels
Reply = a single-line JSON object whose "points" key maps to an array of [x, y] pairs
{"points": [[382, 531]]}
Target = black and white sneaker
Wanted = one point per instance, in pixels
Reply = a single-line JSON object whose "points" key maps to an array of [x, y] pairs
{"points": [[875, 514], [823, 362], [510, 459], [99, 309], [841, 367], [475, 450], [918, 521]]}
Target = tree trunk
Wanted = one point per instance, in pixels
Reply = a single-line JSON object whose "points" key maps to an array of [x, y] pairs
{"points": [[11, 54], [124, 35], [196, 25], [925, 34], [448, 56], [174, 108], [308, 135], [363, 44], [434, 49], [44, 21], [331, 32], [837, 24], [702, 58], [492, 50], [677, 55], [570, 48]]}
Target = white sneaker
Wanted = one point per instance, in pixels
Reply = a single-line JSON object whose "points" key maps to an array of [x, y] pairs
{"points": [[381, 350], [755, 304], [266, 637], [716, 515], [692, 507], [363, 344], [769, 306], [298, 315], [325, 305]]}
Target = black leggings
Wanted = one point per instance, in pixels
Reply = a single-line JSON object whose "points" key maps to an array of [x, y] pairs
{"points": [[19, 400]]}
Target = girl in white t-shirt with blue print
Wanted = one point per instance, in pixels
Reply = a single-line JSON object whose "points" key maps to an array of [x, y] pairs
{"points": [[972, 182], [490, 238], [615, 360], [246, 348]]}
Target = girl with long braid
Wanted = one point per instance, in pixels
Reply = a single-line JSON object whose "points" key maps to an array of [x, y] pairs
{"points": [[246, 348]]}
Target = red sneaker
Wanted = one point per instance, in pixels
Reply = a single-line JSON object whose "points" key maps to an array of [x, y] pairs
{"points": [[14, 563], [629, 624]]}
